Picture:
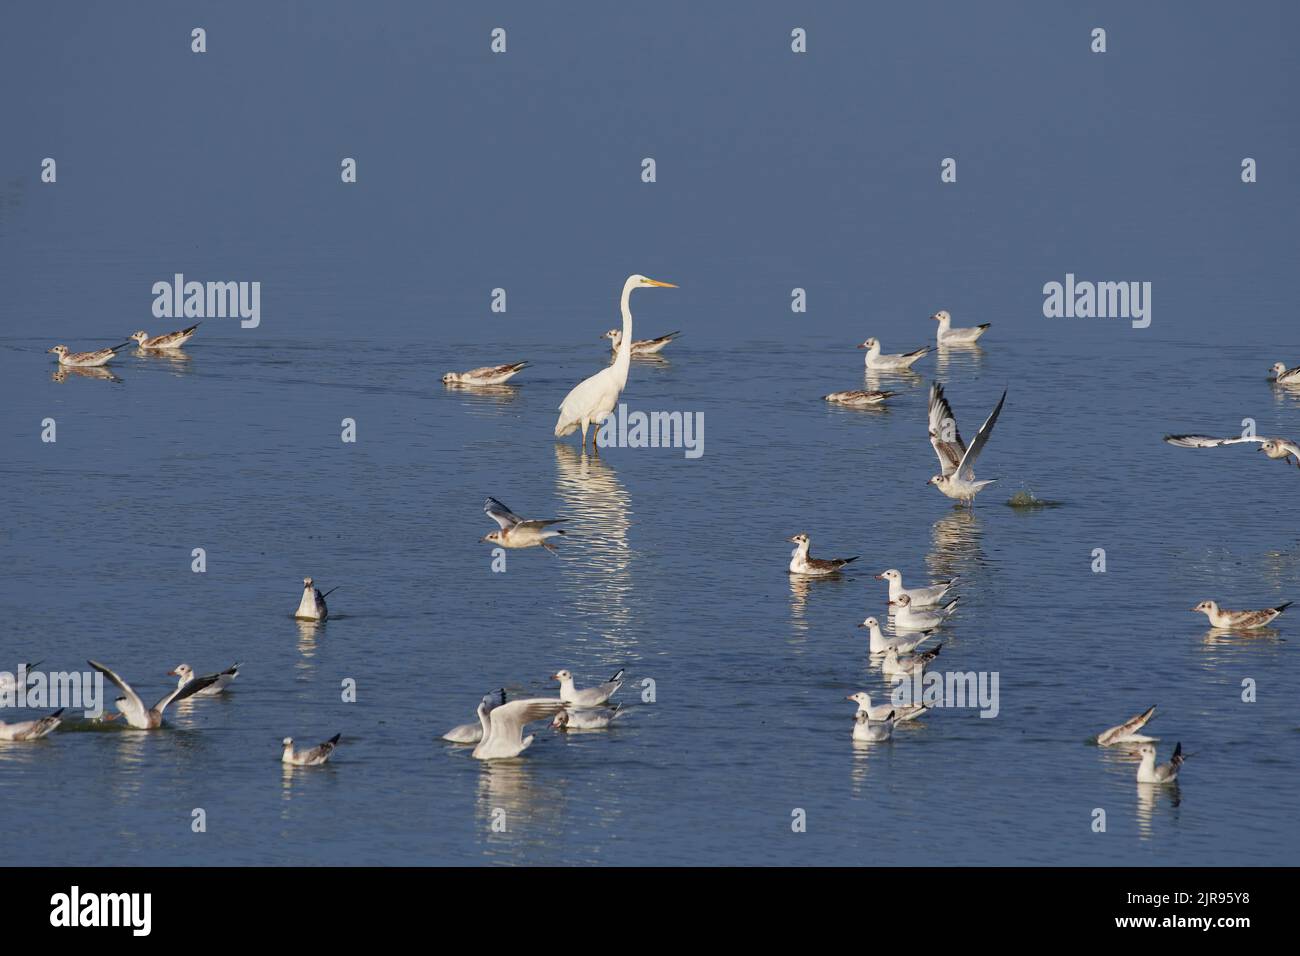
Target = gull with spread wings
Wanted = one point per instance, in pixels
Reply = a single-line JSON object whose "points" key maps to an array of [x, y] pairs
{"points": [[516, 532], [133, 708], [1283, 448], [956, 460]]}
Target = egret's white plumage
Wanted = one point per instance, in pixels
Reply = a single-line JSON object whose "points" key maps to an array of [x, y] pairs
{"points": [[592, 399]]}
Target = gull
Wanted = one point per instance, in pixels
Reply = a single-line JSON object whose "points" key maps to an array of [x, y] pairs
{"points": [[950, 336], [881, 642], [1127, 732], [503, 726], [894, 665], [30, 729], [867, 730], [592, 399], [132, 707], [186, 674], [515, 532], [588, 696], [859, 398], [172, 340], [1151, 772], [956, 461], [1285, 376], [312, 606], [910, 619], [644, 347], [1239, 620], [473, 733], [85, 359], [487, 375], [587, 719], [308, 758], [1273, 447], [875, 360], [801, 563], [886, 711], [922, 596], [9, 683]]}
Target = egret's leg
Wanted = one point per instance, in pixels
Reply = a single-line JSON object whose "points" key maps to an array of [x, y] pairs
{"points": [[584, 435]]}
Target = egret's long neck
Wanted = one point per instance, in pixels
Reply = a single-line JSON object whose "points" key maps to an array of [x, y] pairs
{"points": [[623, 358], [484, 720]]}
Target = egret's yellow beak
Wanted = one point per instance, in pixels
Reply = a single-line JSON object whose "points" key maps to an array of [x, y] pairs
{"points": [[664, 285]]}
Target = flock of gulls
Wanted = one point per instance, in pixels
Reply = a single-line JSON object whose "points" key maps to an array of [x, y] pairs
{"points": [[916, 613]]}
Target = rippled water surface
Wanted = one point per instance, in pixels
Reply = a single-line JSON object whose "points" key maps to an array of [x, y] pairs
{"points": [[527, 178]]}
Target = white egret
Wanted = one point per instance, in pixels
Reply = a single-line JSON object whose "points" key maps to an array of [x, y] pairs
{"points": [[592, 399]]}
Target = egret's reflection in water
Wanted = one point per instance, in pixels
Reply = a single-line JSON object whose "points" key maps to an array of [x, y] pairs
{"points": [[597, 559]]}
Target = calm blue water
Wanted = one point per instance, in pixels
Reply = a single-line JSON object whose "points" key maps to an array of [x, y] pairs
{"points": [[522, 171]]}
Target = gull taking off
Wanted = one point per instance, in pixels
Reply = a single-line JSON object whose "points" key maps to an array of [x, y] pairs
{"points": [[587, 719], [313, 757], [957, 478], [897, 363], [881, 642], [644, 347], [172, 340], [1283, 448], [1285, 376], [920, 597], [866, 730], [802, 563], [473, 733], [893, 665], [515, 532], [1127, 732], [588, 696], [1239, 620], [908, 618], [30, 729], [503, 726], [1151, 772], [132, 707], [859, 398], [885, 711], [592, 399], [186, 674], [312, 606], [85, 359], [947, 335], [487, 375]]}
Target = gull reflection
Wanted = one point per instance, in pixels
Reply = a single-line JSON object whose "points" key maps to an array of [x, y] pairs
{"points": [[955, 359], [892, 379], [956, 544], [178, 359], [62, 373], [1149, 798], [597, 560], [483, 397], [308, 631], [510, 803]]}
